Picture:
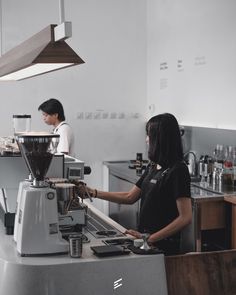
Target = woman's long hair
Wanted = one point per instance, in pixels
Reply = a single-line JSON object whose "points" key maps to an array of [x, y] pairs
{"points": [[165, 144]]}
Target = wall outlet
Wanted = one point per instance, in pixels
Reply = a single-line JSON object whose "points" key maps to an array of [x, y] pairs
{"points": [[80, 116], [105, 115], [97, 115], [88, 115], [121, 115], [113, 115]]}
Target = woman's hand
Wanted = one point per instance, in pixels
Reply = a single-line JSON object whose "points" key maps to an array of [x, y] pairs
{"points": [[133, 233], [83, 190]]}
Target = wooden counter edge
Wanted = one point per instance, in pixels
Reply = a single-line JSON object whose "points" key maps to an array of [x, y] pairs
{"points": [[230, 199]]}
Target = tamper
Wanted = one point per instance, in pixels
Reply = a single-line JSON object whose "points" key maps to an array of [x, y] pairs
{"points": [[145, 245]]}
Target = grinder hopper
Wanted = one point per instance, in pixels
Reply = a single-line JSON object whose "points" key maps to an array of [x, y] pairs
{"points": [[35, 150]]}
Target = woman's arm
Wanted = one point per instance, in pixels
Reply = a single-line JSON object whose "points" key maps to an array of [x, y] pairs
{"points": [[129, 197], [185, 217]]}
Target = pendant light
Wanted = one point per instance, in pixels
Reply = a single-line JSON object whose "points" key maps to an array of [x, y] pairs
{"points": [[44, 52]]}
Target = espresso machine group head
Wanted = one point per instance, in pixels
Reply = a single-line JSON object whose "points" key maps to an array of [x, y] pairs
{"points": [[38, 227], [72, 212]]}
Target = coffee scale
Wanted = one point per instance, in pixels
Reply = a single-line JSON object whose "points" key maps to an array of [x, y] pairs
{"points": [[41, 202]]}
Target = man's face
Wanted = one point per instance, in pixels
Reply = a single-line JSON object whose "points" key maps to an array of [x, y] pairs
{"points": [[49, 119]]}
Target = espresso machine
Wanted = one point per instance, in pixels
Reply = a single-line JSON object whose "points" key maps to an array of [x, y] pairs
{"points": [[38, 225]]}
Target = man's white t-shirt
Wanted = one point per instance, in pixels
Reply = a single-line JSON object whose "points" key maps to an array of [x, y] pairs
{"points": [[66, 140]]}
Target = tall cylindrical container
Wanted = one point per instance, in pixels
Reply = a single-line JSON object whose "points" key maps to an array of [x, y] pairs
{"points": [[21, 123]]}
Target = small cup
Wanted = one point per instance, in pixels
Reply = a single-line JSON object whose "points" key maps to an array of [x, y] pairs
{"points": [[76, 245]]}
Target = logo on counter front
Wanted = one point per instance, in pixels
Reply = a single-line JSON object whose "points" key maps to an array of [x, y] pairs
{"points": [[117, 283]]}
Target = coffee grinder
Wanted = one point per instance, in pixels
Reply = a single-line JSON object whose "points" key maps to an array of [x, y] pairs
{"points": [[23, 184], [21, 124], [38, 227]]}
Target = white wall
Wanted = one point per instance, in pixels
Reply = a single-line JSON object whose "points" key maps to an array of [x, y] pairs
{"points": [[192, 61], [110, 36]]}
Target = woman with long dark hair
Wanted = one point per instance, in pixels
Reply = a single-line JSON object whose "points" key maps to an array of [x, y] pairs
{"points": [[164, 188]]}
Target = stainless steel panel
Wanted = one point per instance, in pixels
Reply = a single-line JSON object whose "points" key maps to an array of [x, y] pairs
{"points": [[126, 215]]}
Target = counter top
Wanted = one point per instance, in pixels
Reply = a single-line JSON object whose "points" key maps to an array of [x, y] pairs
{"points": [[199, 191], [90, 275], [8, 247]]}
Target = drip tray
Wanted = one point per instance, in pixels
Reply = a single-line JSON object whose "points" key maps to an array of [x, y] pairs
{"points": [[101, 229]]}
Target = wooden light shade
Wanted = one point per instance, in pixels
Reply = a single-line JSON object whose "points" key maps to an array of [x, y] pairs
{"points": [[38, 55]]}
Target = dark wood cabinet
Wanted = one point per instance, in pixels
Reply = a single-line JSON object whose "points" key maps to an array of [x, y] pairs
{"points": [[202, 273], [209, 228]]}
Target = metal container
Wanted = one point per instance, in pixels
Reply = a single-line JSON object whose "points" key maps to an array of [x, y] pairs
{"points": [[65, 195], [76, 245]]}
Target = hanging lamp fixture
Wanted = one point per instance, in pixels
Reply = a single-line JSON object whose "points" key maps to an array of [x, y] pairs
{"points": [[44, 52]]}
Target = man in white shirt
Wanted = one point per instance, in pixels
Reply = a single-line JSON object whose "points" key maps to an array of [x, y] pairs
{"points": [[53, 114]]}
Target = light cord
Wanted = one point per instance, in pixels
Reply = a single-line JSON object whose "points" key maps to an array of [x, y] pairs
{"points": [[62, 11]]}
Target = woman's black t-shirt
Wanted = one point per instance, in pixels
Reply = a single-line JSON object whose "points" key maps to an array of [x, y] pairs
{"points": [[159, 191]]}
